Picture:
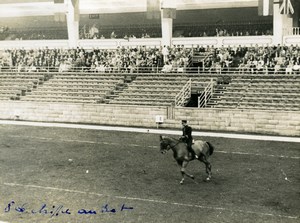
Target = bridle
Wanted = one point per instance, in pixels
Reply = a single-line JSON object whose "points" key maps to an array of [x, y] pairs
{"points": [[172, 147]]}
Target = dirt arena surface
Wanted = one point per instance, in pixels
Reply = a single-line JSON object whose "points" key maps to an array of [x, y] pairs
{"points": [[52, 174]]}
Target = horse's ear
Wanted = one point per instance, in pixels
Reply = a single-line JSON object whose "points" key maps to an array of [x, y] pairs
{"points": [[161, 137]]}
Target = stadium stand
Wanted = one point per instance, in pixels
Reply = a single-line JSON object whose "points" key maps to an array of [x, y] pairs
{"points": [[278, 92], [256, 76], [243, 77], [76, 88], [189, 23], [14, 85]]}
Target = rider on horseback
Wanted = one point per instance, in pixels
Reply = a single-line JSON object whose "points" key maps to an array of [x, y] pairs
{"points": [[187, 137]]}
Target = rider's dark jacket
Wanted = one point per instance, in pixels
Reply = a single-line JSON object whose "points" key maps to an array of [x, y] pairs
{"points": [[187, 135]]}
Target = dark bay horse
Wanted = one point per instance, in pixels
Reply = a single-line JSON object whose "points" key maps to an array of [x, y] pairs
{"points": [[202, 149]]}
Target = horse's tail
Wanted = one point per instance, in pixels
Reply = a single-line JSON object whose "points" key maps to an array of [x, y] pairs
{"points": [[211, 148]]}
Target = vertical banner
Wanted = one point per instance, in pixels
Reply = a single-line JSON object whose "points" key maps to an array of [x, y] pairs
{"points": [[169, 13], [59, 15], [286, 7], [153, 9], [75, 4], [265, 7]]}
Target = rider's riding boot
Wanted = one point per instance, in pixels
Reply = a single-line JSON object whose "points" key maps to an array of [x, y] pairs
{"points": [[194, 155]]}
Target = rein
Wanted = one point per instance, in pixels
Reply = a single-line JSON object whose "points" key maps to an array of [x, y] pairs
{"points": [[172, 147]]}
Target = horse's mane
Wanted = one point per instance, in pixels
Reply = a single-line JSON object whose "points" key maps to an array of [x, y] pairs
{"points": [[172, 138], [169, 137]]}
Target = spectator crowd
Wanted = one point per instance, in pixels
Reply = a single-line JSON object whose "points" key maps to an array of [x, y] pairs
{"points": [[242, 59], [131, 59], [252, 59]]}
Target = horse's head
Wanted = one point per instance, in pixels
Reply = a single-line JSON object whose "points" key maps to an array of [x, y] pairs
{"points": [[164, 144]]}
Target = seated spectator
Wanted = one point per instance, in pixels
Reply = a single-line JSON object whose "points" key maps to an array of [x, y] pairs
{"points": [[181, 68], [93, 32], [260, 65], [277, 68], [215, 67], [242, 68], [63, 67], [167, 68], [21, 67], [296, 68], [32, 68], [289, 68], [93, 67], [100, 67], [113, 35]]}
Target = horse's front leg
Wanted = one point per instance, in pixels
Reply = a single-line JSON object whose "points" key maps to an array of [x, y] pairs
{"points": [[183, 173]]}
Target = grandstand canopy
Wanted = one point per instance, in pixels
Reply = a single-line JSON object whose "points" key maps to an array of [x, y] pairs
{"points": [[16, 8]]}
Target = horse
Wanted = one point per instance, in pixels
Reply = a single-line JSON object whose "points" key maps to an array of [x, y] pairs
{"points": [[181, 154]]}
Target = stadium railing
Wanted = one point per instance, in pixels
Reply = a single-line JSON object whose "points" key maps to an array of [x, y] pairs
{"points": [[158, 69]]}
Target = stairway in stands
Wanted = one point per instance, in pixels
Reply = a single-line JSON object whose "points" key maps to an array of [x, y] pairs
{"points": [[220, 88], [119, 88]]}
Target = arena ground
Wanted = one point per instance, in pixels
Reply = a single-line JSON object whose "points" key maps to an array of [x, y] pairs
{"points": [[63, 173]]}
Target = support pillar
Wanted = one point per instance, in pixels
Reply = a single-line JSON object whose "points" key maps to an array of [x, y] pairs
{"points": [[168, 13], [166, 29], [282, 25], [73, 22]]}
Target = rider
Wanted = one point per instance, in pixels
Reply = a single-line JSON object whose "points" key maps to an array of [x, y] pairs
{"points": [[187, 137]]}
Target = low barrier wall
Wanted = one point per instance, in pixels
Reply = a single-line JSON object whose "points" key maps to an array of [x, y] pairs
{"points": [[151, 42], [241, 121]]}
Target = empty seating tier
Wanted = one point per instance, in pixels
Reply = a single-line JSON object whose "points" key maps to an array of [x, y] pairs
{"points": [[152, 89], [14, 85], [76, 88], [266, 92], [241, 91]]}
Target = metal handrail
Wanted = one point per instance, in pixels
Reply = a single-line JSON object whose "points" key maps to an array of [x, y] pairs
{"points": [[157, 69], [206, 94], [184, 95], [294, 31]]}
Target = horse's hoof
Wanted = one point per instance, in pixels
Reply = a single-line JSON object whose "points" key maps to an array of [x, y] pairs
{"points": [[181, 182], [207, 179]]}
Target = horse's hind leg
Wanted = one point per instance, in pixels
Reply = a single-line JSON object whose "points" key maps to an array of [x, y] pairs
{"points": [[207, 166], [183, 173]]}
